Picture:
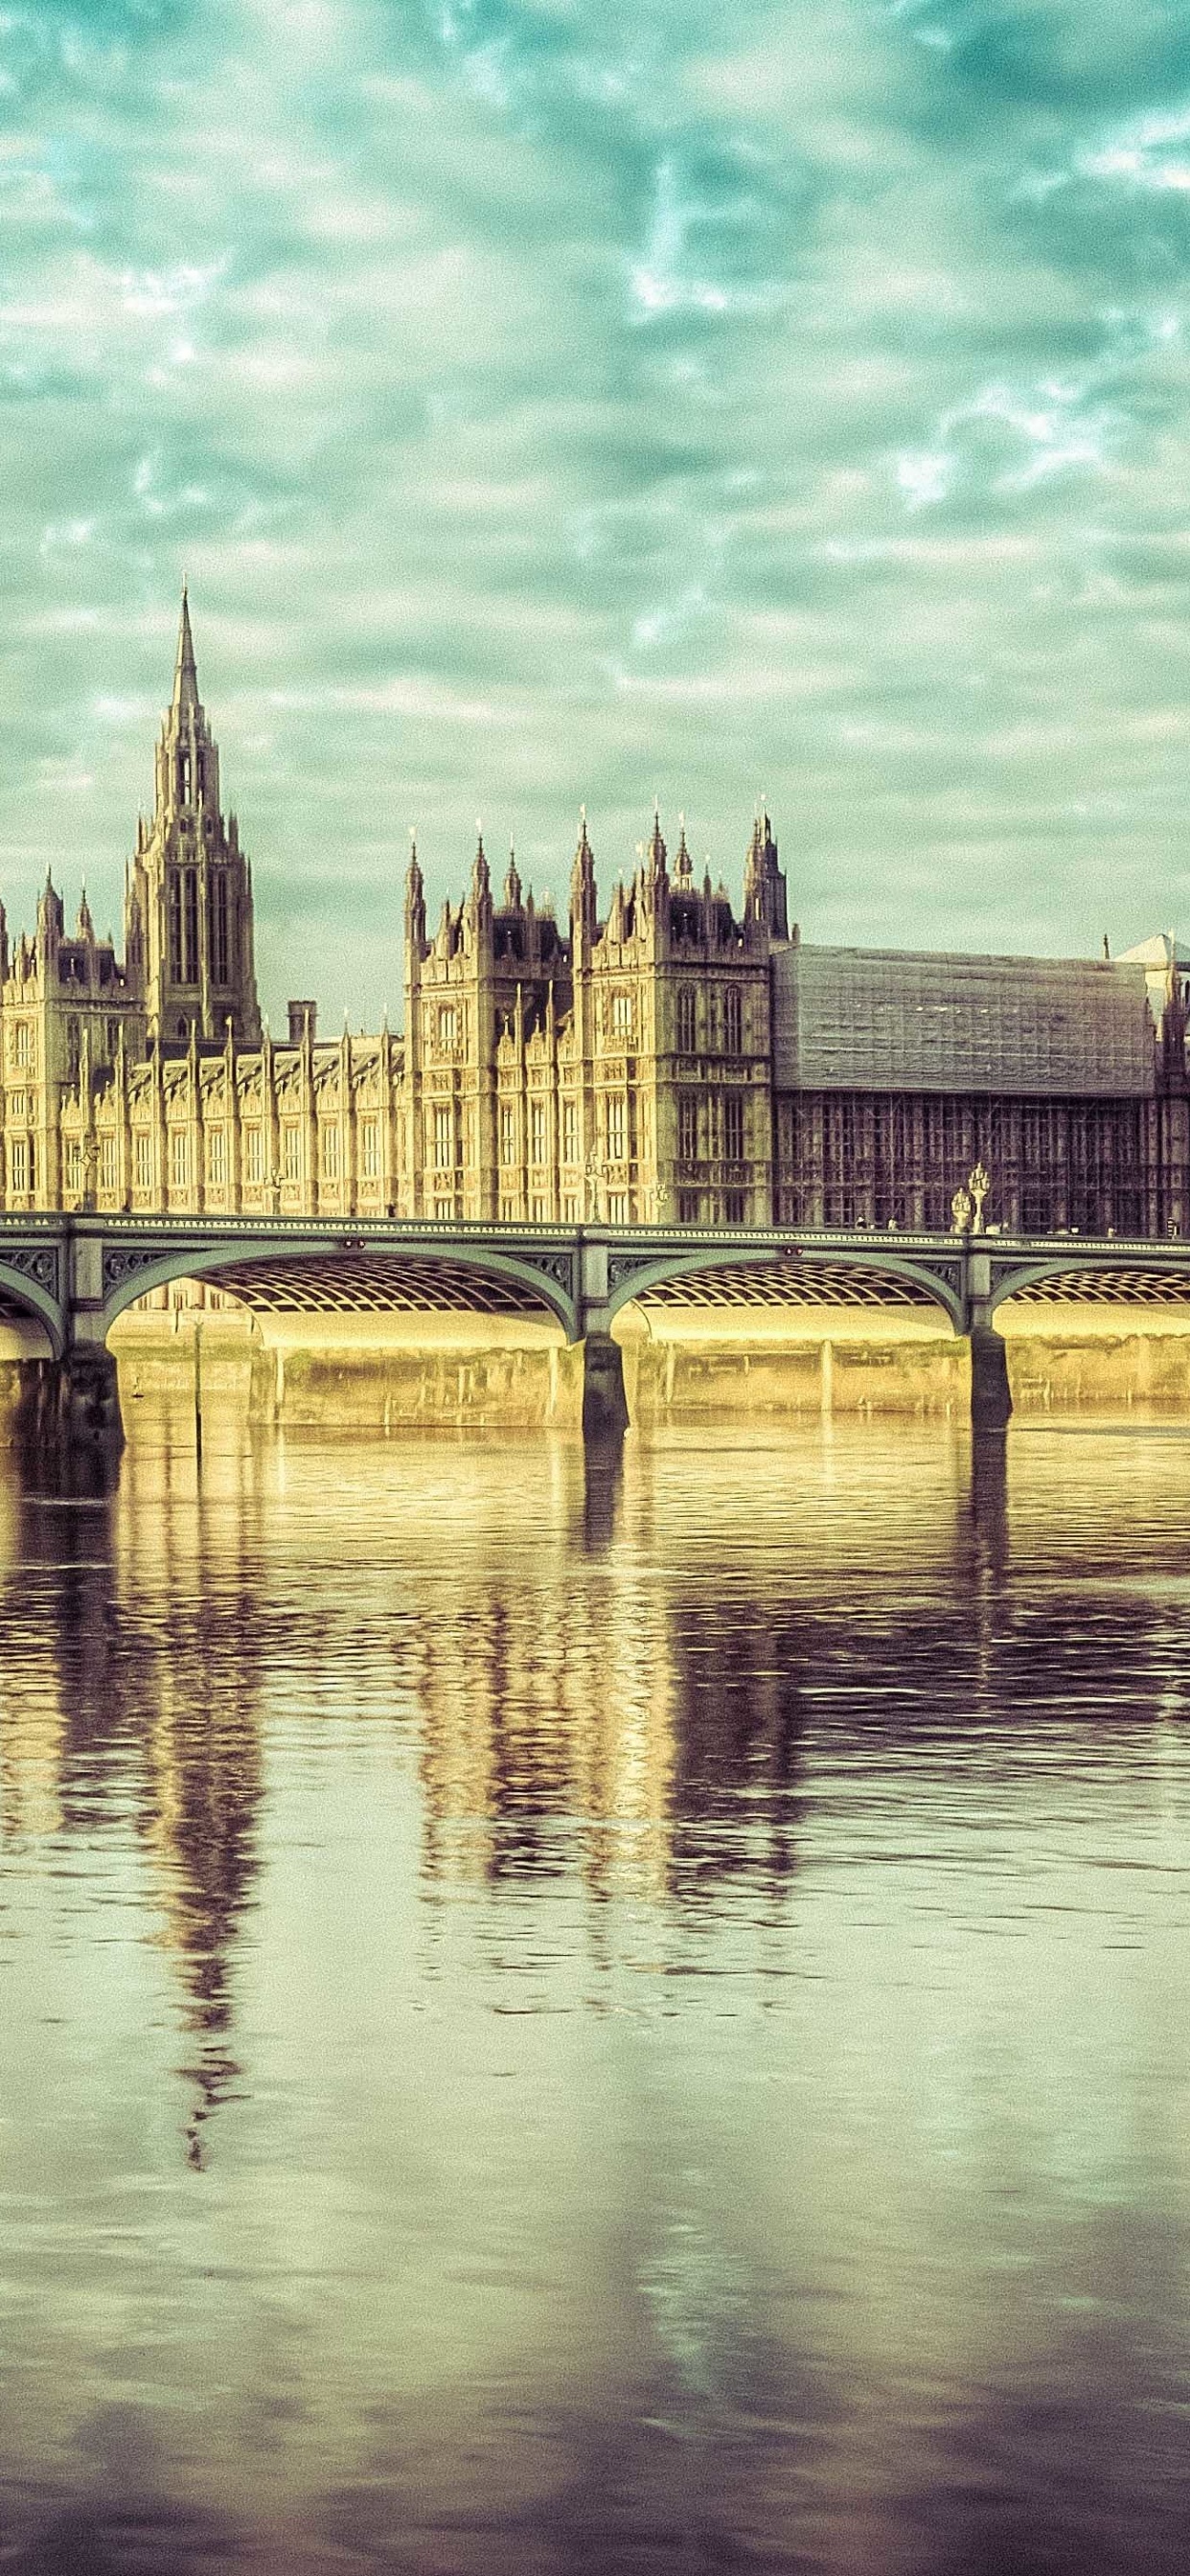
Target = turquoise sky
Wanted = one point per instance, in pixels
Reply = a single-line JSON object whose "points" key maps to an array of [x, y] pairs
{"points": [[554, 402]]}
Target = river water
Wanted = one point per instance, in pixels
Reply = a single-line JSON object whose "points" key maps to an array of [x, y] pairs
{"points": [[629, 2022]]}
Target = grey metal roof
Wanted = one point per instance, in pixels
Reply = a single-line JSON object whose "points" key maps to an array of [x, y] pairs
{"points": [[860, 1019]]}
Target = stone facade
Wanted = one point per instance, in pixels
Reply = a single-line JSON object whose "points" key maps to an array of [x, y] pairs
{"points": [[666, 1061]]}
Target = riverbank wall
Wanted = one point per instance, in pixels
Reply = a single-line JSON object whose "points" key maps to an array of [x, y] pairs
{"points": [[394, 1372]]}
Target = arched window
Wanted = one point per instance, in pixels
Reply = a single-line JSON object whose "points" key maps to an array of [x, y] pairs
{"points": [[217, 941]]}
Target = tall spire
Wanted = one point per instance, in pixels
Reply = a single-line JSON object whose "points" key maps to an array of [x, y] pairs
{"points": [[185, 675], [188, 908], [582, 887]]}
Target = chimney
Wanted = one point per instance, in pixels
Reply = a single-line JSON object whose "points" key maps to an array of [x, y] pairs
{"points": [[303, 1022]]}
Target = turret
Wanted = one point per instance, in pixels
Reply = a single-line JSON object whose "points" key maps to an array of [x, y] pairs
{"points": [[654, 880], [765, 904], [415, 904], [477, 912], [655, 851], [584, 899], [51, 921]]}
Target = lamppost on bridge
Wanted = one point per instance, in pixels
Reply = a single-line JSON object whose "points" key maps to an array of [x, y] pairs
{"points": [[967, 1205], [597, 1175]]}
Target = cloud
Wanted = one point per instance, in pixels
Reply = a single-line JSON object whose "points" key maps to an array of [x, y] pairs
{"points": [[551, 403]]}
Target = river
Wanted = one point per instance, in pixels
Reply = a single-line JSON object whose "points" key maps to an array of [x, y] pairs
{"points": [[628, 2021]]}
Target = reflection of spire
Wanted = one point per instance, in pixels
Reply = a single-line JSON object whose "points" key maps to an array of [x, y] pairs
{"points": [[205, 1769]]}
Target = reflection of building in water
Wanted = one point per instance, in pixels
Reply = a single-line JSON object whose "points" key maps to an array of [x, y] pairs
{"points": [[607, 1719], [547, 1723], [738, 1684], [56, 1663], [131, 1686], [197, 1689]]}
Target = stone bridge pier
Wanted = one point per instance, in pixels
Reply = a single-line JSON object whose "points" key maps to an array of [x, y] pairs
{"points": [[84, 1398], [605, 1404], [991, 1398]]}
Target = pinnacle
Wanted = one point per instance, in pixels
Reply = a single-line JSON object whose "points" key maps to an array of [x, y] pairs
{"points": [[185, 674]]}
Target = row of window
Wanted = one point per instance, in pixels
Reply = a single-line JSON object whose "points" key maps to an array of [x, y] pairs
{"points": [[723, 1020], [572, 1210], [702, 1207], [619, 1139], [721, 1032], [716, 1118], [216, 1157], [74, 1044], [182, 906], [837, 1133]]}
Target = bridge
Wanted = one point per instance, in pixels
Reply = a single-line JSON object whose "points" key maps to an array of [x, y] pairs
{"points": [[66, 1278]]}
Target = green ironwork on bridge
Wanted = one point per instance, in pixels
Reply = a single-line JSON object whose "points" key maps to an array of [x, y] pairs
{"points": [[72, 1275]]}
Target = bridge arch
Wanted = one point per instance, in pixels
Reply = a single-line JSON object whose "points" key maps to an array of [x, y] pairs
{"points": [[354, 1275], [787, 1272], [1100, 1277], [24, 1299]]}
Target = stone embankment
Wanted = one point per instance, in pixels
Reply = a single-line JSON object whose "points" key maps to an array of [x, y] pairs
{"points": [[392, 1372], [458, 1371]]}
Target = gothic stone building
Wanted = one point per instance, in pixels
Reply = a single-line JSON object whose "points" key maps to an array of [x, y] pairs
{"points": [[663, 1062]]}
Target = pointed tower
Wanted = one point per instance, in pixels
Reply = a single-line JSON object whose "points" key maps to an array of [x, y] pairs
{"points": [[584, 900], [188, 905], [765, 905]]}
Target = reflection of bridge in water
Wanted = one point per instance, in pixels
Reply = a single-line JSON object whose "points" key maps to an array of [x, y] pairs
{"points": [[65, 1279]]}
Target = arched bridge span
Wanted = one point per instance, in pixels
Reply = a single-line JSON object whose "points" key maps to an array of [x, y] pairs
{"points": [[712, 1276], [76, 1273], [346, 1276], [1097, 1277]]}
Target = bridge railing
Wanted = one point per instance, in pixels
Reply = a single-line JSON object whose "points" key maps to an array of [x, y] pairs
{"points": [[340, 1229]]}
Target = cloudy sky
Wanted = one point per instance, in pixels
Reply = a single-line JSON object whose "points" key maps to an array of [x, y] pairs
{"points": [[559, 400]]}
